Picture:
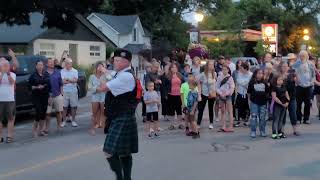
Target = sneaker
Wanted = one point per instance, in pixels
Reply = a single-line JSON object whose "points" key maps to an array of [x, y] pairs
{"points": [[63, 124], [245, 124], [253, 134], [171, 127], [211, 126], [263, 134], [74, 124], [274, 136], [282, 135], [237, 124], [181, 126], [150, 136], [190, 133]]}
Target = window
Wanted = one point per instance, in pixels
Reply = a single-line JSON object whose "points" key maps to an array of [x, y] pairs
{"points": [[47, 49], [95, 51], [135, 35]]}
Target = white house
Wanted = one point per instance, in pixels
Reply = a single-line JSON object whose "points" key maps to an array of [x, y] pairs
{"points": [[124, 31], [86, 45]]}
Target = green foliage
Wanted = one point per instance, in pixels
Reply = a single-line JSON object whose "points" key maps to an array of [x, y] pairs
{"points": [[291, 16], [225, 47], [109, 50], [87, 69], [261, 48]]}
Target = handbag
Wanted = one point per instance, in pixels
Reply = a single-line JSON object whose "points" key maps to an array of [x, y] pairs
{"points": [[212, 94]]}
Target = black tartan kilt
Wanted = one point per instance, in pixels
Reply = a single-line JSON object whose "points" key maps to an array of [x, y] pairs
{"points": [[122, 137]]}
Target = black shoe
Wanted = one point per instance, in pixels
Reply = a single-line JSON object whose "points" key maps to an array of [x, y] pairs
{"points": [[282, 136], [306, 122], [237, 124], [196, 135]]}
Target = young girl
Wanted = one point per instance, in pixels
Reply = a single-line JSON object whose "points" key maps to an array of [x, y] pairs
{"points": [[258, 90], [207, 91], [281, 100], [152, 100], [225, 88], [192, 102], [242, 81]]}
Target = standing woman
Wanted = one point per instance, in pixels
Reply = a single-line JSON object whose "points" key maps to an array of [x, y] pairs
{"points": [[172, 86], [268, 76], [40, 85], [225, 88], [317, 84], [97, 98], [234, 76], [207, 91], [242, 82], [196, 67], [163, 90], [290, 82]]}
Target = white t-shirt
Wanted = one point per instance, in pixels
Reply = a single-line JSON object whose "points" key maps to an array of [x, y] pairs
{"points": [[122, 83], [69, 74], [7, 89], [232, 67]]}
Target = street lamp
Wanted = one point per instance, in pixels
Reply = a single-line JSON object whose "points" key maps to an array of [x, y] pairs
{"points": [[198, 17], [306, 37]]}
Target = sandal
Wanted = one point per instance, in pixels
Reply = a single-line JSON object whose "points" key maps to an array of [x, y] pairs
{"points": [[9, 140], [222, 130]]}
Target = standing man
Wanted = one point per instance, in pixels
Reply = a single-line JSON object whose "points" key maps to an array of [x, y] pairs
{"points": [[305, 71], [69, 77], [266, 59], [55, 99], [230, 64], [121, 104], [7, 100]]}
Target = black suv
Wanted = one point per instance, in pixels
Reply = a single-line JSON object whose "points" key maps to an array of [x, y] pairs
{"points": [[23, 91]]}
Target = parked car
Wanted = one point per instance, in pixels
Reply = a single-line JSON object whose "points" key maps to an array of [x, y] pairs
{"points": [[253, 62], [23, 90]]}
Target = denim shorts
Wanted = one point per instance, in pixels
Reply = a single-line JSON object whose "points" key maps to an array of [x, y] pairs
{"points": [[225, 99]]}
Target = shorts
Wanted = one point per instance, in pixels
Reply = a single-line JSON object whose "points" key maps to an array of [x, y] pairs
{"points": [[98, 97], [223, 100], [316, 90], [57, 105], [7, 111], [152, 116], [70, 99]]}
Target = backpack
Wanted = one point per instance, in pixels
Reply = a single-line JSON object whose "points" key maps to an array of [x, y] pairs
{"points": [[138, 88]]}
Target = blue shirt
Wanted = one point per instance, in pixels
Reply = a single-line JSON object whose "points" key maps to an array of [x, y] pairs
{"points": [[192, 99], [56, 83]]}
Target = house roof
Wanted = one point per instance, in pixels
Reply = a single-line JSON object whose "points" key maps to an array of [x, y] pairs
{"points": [[22, 33], [134, 48], [84, 31], [122, 24]]}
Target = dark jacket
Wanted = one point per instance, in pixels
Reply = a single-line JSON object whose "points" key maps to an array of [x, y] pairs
{"points": [[35, 79]]}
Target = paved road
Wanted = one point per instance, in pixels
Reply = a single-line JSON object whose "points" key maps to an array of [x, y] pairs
{"points": [[76, 155]]}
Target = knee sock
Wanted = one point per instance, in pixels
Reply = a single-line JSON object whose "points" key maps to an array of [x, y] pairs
{"points": [[116, 166], [127, 166]]}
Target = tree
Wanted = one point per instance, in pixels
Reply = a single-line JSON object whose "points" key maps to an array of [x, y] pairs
{"points": [[57, 13]]}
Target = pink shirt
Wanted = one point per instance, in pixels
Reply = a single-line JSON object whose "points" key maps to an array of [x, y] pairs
{"points": [[175, 85]]}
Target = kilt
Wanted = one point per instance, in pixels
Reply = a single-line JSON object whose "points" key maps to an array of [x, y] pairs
{"points": [[122, 137]]}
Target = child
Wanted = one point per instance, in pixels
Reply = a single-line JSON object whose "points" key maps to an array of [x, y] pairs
{"points": [[186, 72], [225, 88], [281, 100], [185, 89], [152, 100], [192, 103], [258, 91]]}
